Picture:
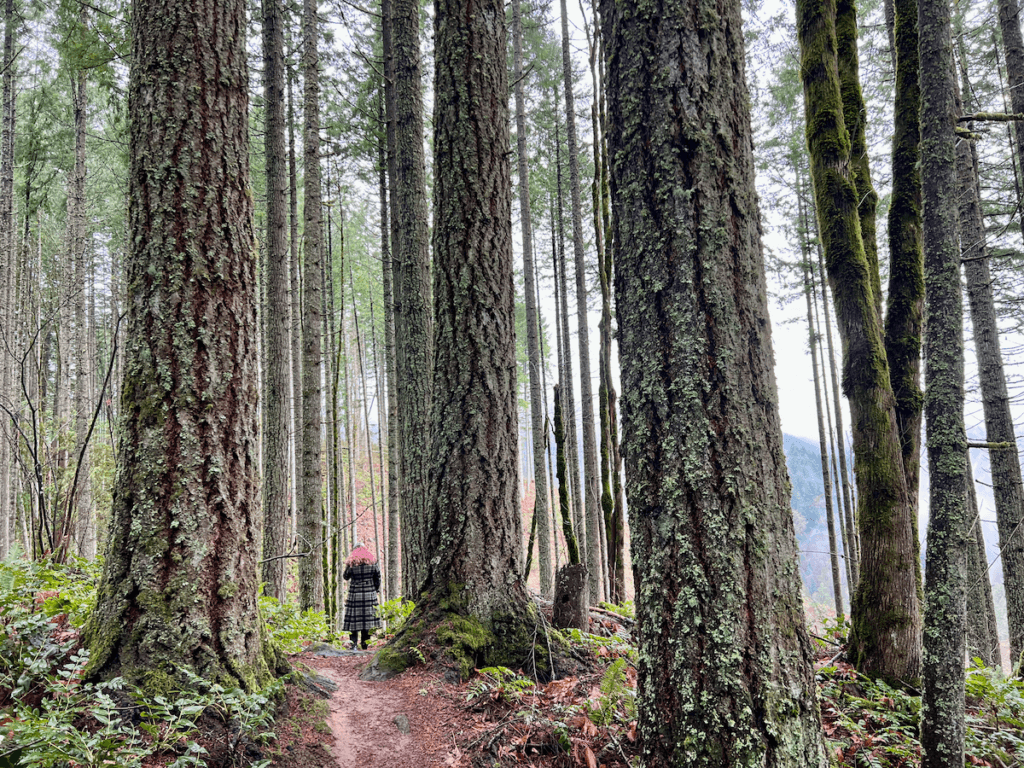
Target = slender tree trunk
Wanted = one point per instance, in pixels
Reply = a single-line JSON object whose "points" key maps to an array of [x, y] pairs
{"points": [[276, 318], [591, 471], [178, 590], [942, 699], [999, 426], [295, 278], [837, 588], [904, 319], [849, 522], [386, 159], [565, 357], [7, 311], [982, 641], [540, 505], [1013, 55], [724, 672], [414, 333], [571, 544], [885, 637], [310, 517]]}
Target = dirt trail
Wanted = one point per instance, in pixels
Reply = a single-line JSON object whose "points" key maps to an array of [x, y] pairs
{"points": [[363, 716]]}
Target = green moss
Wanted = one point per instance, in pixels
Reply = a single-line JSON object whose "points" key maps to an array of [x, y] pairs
{"points": [[393, 659]]}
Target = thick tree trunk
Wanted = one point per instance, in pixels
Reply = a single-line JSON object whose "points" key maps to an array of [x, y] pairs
{"points": [[178, 590], [476, 531], [591, 470], [904, 319], [540, 486], [885, 637], [725, 676], [942, 699], [311, 577], [276, 317], [414, 331]]}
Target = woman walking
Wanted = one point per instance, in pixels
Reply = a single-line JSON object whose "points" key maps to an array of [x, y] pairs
{"points": [[363, 573]]}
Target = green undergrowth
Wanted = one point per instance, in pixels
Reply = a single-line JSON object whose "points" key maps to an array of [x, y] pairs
{"points": [[50, 717], [870, 724]]}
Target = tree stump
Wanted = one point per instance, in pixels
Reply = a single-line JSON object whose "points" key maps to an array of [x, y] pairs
{"points": [[571, 605]]}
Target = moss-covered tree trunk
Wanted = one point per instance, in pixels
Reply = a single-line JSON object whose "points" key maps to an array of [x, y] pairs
{"points": [[725, 674], [310, 522], [475, 570], [540, 485], [413, 320], [855, 117], [942, 698], [885, 610], [178, 590], [276, 315], [904, 318]]}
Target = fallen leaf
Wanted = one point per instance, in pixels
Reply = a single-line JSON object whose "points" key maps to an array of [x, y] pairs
{"points": [[591, 757]]}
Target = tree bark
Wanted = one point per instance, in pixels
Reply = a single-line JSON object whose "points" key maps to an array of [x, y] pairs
{"points": [[982, 635], [295, 336], [276, 318], [7, 263], [942, 699], [540, 487], [414, 331], [476, 530], [885, 636], [725, 676], [904, 319], [591, 470], [999, 426], [311, 575], [178, 590]]}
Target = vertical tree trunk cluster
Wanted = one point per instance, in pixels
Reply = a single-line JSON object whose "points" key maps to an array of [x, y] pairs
{"points": [[540, 487], [724, 660], [885, 609]]}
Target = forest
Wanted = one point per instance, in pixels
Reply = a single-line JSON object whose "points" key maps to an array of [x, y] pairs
{"points": [[471, 305]]}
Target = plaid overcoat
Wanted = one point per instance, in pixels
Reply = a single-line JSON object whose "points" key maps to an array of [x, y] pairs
{"points": [[361, 605]]}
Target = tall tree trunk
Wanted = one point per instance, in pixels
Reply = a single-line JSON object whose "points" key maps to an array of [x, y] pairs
{"points": [[1013, 55], [885, 636], [725, 675], [904, 319], [7, 260], [540, 505], [572, 547], [999, 426], [849, 522], [837, 588], [565, 356], [476, 530], [855, 118], [276, 318], [942, 699], [591, 471], [414, 332], [386, 155], [310, 516], [178, 590], [295, 279]]}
